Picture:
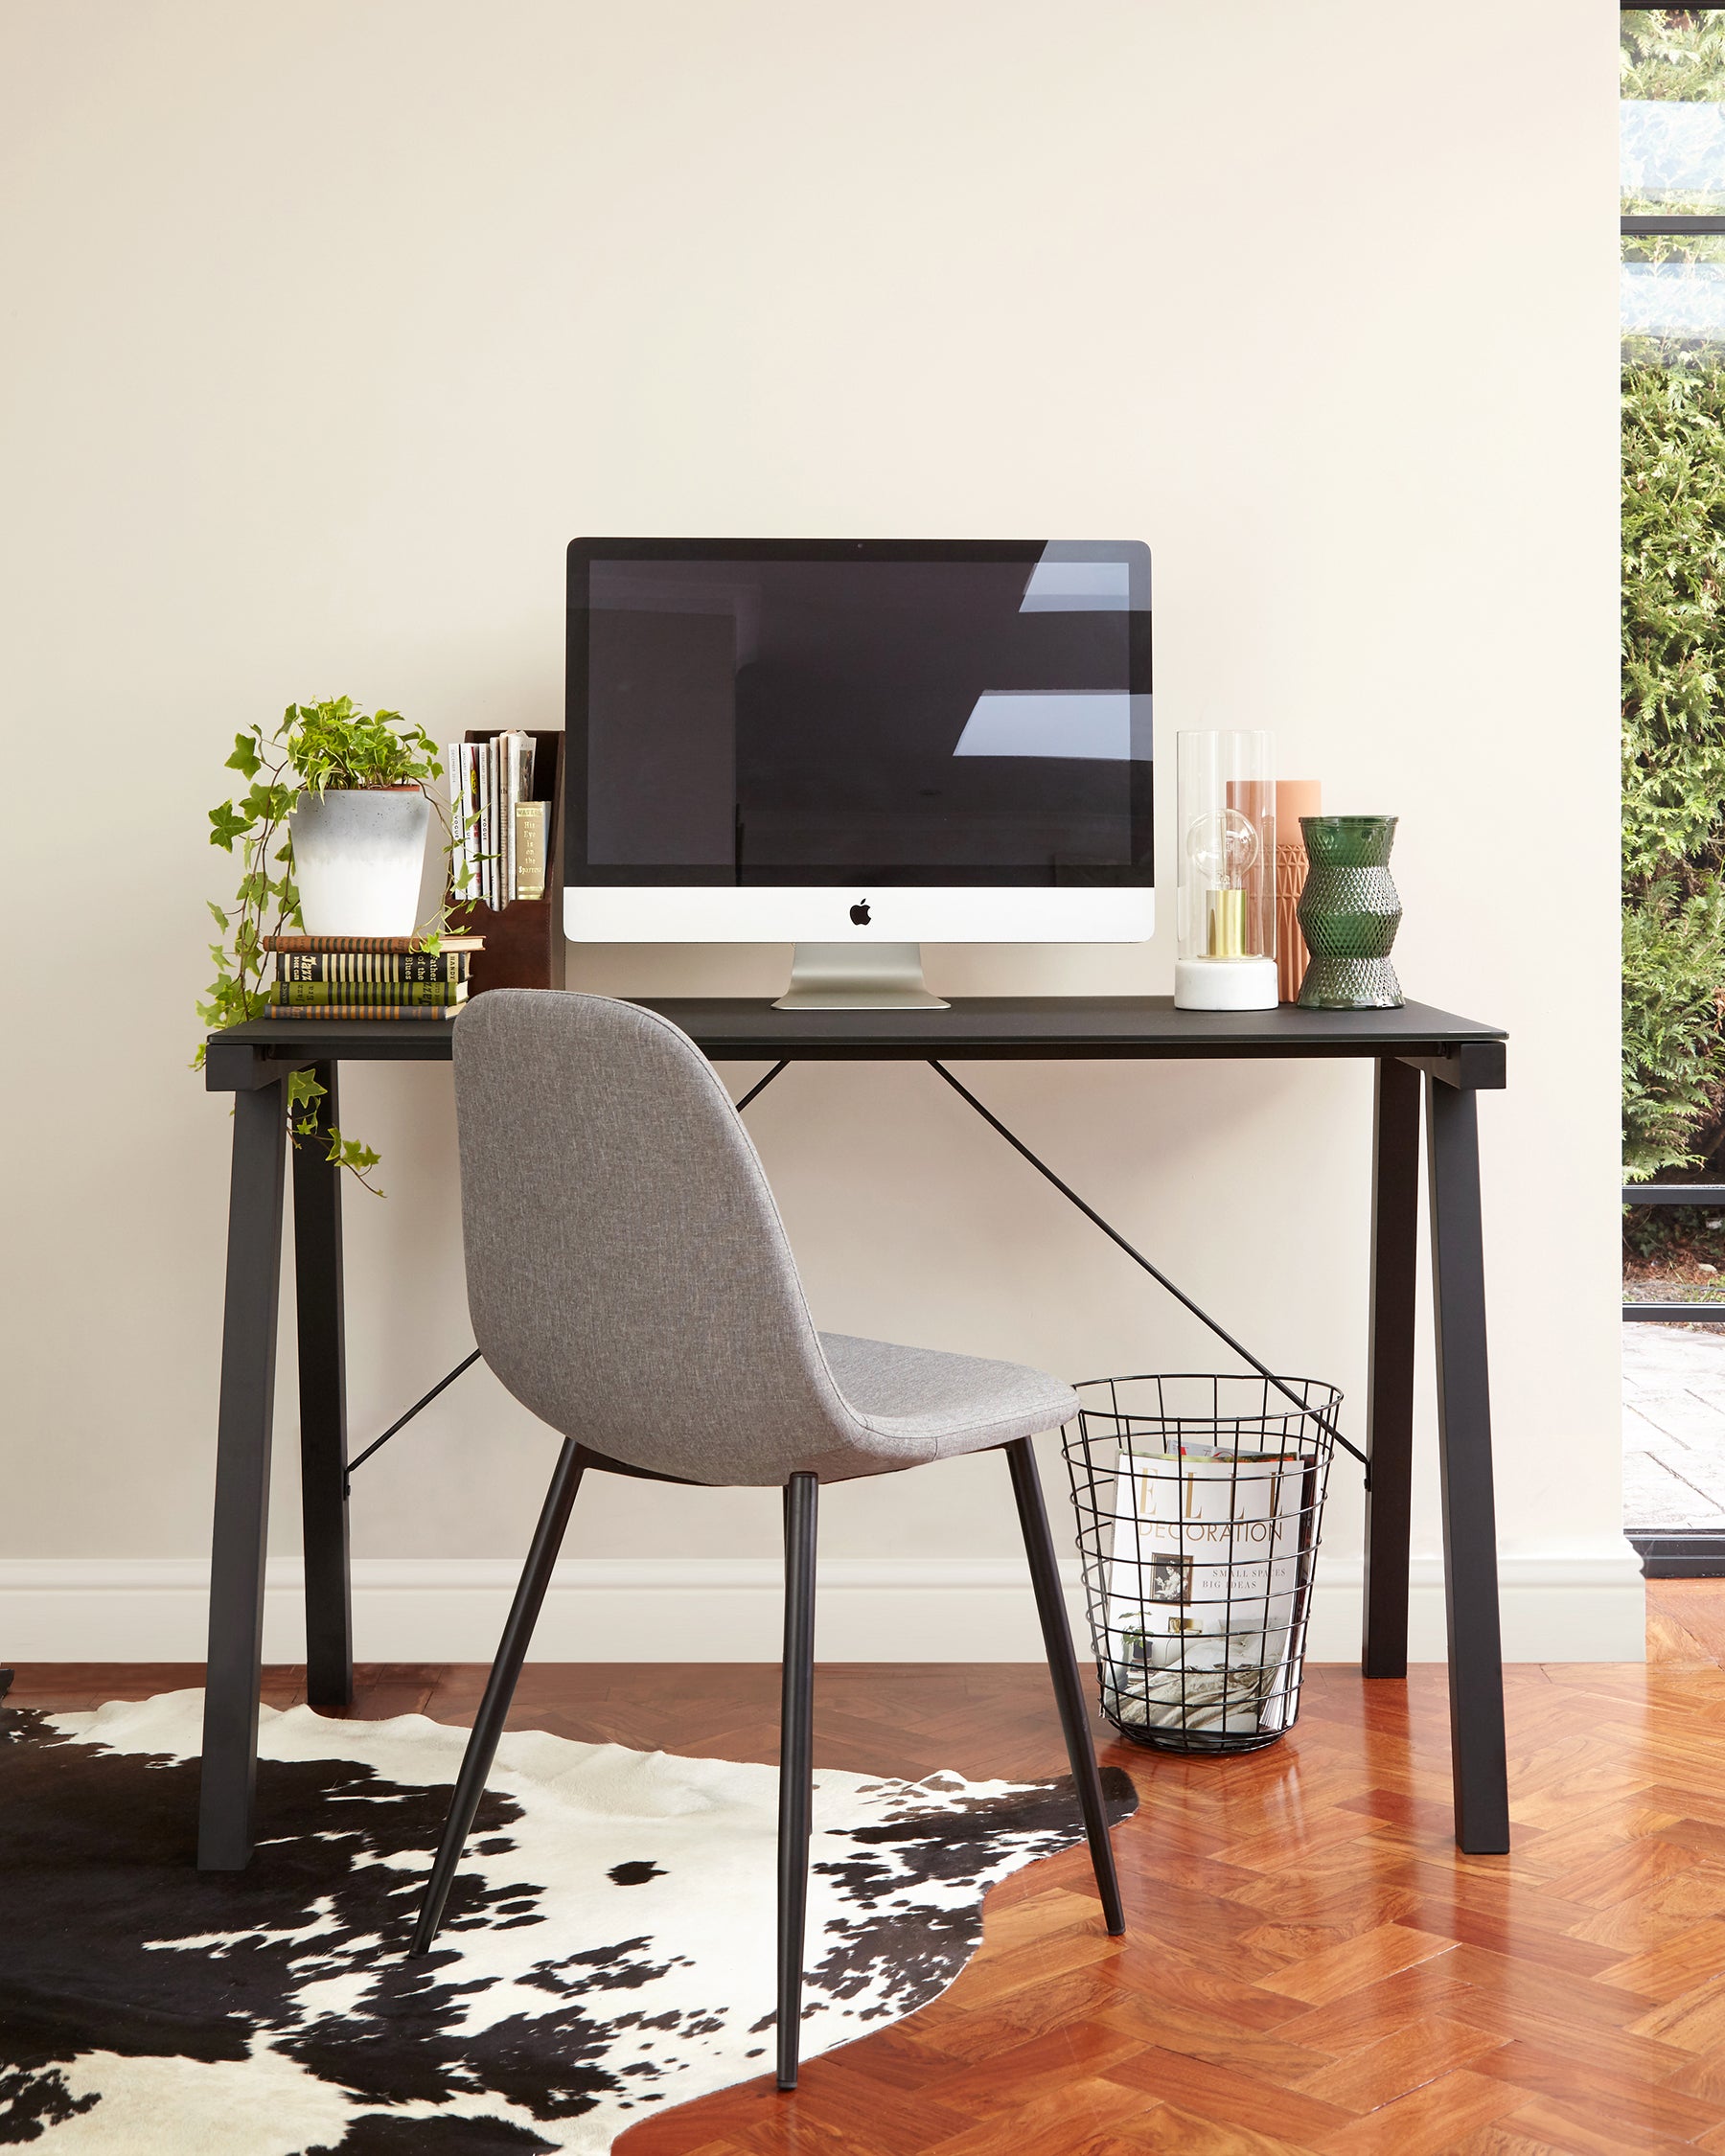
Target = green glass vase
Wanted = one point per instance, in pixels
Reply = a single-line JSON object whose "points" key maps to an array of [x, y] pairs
{"points": [[1348, 914]]}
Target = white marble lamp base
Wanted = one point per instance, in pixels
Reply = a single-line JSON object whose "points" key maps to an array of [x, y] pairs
{"points": [[1224, 984]]}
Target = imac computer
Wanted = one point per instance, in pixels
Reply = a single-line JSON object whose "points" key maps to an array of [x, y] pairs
{"points": [[855, 745]]}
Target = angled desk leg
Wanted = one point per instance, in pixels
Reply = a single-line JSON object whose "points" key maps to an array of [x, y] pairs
{"points": [[248, 1403], [1476, 1675], [323, 1413], [1390, 1380]]}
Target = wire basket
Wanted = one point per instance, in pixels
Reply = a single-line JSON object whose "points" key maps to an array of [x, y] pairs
{"points": [[1200, 1501]]}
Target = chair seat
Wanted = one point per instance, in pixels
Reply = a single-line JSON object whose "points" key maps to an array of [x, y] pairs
{"points": [[917, 1404]]}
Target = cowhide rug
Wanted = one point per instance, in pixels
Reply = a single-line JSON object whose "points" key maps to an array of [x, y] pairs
{"points": [[609, 1948]]}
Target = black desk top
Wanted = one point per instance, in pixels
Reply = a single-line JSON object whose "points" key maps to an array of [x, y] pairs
{"points": [[1021, 1028]]}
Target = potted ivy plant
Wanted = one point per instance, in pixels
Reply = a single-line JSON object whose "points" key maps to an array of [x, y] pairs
{"points": [[332, 835], [357, 828]]}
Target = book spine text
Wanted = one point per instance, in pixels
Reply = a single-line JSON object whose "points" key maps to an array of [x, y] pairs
{"points": [[348, 991], [346, 1011], [358, 966]]}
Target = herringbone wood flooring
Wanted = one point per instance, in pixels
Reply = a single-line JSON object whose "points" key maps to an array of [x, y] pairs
{"points": [[1310, 1965]]}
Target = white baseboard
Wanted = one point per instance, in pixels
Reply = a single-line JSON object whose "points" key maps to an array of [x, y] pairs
{"points": [[727, 1609]]}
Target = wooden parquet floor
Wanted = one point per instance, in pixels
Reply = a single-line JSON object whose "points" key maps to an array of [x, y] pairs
{"points": [[1309, 1966]]}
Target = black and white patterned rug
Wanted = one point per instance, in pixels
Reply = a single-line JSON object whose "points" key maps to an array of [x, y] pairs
{"points": [[609, 1948]]}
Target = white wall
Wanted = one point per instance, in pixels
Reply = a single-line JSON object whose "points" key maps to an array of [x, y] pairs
{"points": [[335, 324]]}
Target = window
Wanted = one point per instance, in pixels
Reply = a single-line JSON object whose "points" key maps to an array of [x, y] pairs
{"points": [[1672, 180]]}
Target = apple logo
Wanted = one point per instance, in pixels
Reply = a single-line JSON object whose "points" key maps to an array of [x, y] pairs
{"points": [[859, 913]]}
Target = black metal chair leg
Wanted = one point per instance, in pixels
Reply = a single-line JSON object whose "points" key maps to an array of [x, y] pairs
{"points": [[499, 1690], [796, 1764], [1063, 1668]]}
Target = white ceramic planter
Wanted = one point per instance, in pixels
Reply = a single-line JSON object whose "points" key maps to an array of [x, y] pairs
{"points": [[357, 858]]}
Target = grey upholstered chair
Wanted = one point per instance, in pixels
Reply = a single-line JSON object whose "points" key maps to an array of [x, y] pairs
{"points": [[630, 1282]]}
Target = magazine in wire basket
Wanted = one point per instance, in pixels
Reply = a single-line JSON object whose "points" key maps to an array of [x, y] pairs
{"points": [[1199, 1503]]}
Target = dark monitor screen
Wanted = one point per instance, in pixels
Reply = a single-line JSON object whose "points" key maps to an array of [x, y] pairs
{"points": [[815, 712]]}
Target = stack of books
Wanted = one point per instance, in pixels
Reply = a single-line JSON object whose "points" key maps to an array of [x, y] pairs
{"points": [[368, 977], [498, 829]]}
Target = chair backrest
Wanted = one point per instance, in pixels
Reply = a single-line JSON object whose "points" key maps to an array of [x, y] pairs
{"points": [[628, 1273]]}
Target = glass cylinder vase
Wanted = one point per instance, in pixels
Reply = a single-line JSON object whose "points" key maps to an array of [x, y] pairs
{"points": [[1226, 869]]}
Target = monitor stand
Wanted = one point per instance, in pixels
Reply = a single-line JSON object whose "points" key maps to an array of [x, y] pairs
{"points": [[850, 976]]}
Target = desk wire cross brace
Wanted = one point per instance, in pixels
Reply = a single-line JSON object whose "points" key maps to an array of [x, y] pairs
{"points": [[1138, 1258], [1065, 1190]]}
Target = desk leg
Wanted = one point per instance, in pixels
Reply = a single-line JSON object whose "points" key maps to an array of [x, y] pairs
{"points": [[1389, 1379], [1476, 1675], [248, 1403], [323, 1414]]}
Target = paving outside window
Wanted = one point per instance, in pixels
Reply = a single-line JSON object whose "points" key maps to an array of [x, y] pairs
{"points": [[1673, 1427]]}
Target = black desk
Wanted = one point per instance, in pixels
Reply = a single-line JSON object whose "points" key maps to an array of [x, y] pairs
{"points": [[1456, 1058]]}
